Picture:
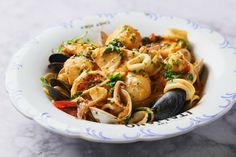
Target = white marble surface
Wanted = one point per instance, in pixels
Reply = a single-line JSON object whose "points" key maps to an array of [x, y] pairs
{"points": [[22, 20]]}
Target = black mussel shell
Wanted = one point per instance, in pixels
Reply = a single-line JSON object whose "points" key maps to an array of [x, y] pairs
{"points": [[63, 85], [58, 57], [55, 67], [169, 104], [55, 94], [146, 40]]}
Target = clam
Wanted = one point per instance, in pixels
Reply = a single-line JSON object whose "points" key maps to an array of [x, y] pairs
{"points": [[93, 97], [58, 57], [125, 114], [122, 99], [103, 116], [122, 102], [169, 104]]}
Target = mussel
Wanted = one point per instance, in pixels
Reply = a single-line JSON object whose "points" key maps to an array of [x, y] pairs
{"points": [[54, 93], [147, 40], [56, 62], [58, 57], [57, 89], [55, 67], [169, 104], [63, 85]]}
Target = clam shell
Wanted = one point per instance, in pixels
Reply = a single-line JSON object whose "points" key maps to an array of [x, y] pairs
{"points": [[103, 116]]}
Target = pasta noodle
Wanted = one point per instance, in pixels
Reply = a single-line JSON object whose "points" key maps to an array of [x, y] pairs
{"points": [[181, 84]]}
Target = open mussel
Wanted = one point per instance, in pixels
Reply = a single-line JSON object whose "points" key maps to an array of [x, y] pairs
{"points": [[55, 93], [57, 89], [63, 85], [55, 67], [152, 38], [56, 62], [169, 104], [58, 57]]}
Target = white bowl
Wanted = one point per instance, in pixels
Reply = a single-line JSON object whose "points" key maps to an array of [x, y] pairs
{"points": [[30, 63]]}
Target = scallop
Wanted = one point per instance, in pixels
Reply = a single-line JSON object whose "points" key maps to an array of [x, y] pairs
{"points": [[106, 61], [127, 35], [138, 86]]}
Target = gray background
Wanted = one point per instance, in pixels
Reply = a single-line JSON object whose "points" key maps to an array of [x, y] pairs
{"points": [[21, 20]]}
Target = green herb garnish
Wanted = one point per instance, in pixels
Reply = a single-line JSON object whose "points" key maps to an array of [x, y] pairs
{"points": [[124, 28], [109, 101], [169, 74], [185, 44], [76, 95], [190, 77], [168, 67], [114, 46], [71, 41], [126, 120], [44, 81], [113, 79]]}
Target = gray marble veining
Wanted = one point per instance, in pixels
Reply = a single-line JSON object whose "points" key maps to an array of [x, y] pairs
{"points": [[22, 20]]}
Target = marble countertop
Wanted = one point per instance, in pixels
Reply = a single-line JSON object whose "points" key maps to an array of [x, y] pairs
{"points": [[22, 20]]}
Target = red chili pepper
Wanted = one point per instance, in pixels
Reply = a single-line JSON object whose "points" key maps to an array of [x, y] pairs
{"points": [[64, 104]]}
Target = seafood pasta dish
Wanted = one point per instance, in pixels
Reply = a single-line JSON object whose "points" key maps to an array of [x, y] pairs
{"points": [[124, 78]]}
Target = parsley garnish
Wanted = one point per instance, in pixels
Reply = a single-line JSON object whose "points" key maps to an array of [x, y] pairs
{"points": [[126, 120], [114, 46], [168, 67], [190, 77], [185, 44], [124, 28], [109, 101], [44, 81], [113, 79], [71, 41], [169, 74], [76, 95]]}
